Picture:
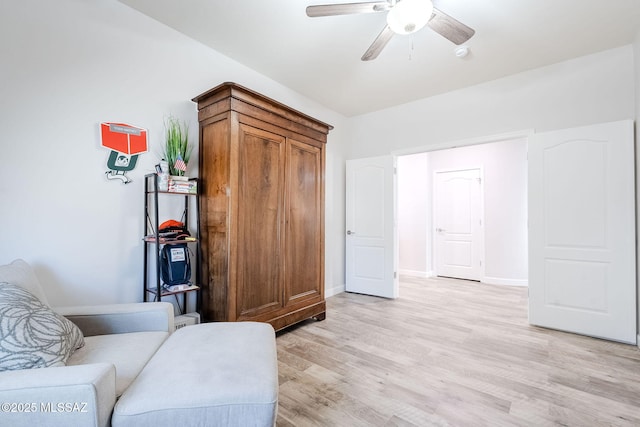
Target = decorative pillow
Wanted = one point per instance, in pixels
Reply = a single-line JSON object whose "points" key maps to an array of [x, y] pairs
{"points": [[31, 334], [20, 273]]}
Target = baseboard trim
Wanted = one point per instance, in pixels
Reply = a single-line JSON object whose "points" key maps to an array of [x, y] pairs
{"points": [[335, 290], [638, 340], [504, 282], [331, 291]]}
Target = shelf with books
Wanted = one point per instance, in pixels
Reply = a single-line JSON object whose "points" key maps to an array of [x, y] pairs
{"points": [[182, 186], [169, 240], [157, 236]]}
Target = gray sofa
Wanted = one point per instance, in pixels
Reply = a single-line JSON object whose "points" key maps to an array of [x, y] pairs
{"points": [[132, 370]]}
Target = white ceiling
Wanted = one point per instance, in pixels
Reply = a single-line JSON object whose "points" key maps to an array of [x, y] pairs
{"points": [[320, 57]]}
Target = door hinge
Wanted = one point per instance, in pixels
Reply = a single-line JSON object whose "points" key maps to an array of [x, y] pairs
{"points": [[395, 274], [479, 180]]}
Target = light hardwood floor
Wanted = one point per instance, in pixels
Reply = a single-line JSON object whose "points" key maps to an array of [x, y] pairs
{"points": [[450, 353]]}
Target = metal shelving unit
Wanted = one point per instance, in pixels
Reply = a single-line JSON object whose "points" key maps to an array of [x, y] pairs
{"points": [[153, 243]]}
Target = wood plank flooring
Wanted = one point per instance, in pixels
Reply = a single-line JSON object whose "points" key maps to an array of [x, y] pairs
{"points": [[450, 353]]}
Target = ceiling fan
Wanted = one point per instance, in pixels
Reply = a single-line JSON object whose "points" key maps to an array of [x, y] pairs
{"points": [[403, 17]]}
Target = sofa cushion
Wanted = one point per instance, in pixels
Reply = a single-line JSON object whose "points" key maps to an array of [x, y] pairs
{"points": [[31, 334], [129, 352], [20, 273]]}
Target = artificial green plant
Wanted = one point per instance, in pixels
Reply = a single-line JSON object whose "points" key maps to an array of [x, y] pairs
{"points": [[176, 143]]}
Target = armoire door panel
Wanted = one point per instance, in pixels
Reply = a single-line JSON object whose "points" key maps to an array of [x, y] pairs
{"points": [[260, 215], [304, 222]]}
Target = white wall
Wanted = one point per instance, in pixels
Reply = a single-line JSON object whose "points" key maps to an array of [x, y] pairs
{"points": [[69, 65], [592, 89], [414, 214]]}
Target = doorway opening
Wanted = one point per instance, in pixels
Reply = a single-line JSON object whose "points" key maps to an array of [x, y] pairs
{"points": [[433, 241]]}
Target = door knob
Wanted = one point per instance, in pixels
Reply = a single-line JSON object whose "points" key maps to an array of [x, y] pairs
{"points": [[349, 232], [440, 230]]}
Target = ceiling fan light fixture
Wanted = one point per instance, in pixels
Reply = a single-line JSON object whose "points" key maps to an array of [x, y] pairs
{"points": [[409, 16]]}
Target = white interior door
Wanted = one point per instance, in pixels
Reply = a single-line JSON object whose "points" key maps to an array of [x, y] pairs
{"points": [[370, 235], [582, 268], [458, 223]]}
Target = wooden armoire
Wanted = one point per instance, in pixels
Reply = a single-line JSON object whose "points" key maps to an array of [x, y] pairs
{"points": [[261, 209]]}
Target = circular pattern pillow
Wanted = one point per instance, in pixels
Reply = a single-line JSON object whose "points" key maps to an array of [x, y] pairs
{"points": [[31, 334]]}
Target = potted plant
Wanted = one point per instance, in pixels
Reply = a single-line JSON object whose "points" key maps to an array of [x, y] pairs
{"points": [[177, 150]]}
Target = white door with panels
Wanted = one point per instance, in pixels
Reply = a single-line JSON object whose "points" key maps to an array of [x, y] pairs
{"points": [[582, 257], [370, 222], [457, 219]]}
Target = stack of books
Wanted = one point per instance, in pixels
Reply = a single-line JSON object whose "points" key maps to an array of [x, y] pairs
{"points": [[181, 184], [170, 238]]}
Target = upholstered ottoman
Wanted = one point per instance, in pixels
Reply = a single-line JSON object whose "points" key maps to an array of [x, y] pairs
{"points": [[213, 374]]}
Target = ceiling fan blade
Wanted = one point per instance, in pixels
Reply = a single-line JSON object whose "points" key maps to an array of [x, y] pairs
{"points": [[378, 44], [449, 27], [346, 8]]}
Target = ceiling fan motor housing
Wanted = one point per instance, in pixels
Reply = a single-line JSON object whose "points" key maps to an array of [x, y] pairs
{"points": [[409, 16]]}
